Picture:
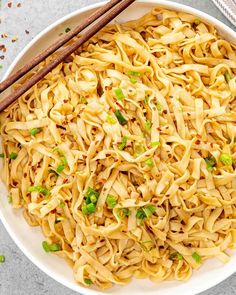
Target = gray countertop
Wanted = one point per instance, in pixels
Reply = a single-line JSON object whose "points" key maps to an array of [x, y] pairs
{"points": [[18, 276]]}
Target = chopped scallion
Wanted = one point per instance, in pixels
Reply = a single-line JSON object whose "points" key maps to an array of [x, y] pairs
{"points": [[134, 74], [148, 125], [159, 107], [60, 168], [39, 189], [2, 155], [88, 281], [155, 143], [123, 144], [61, 205], [226, 159], [67, 30], [111, 120], [13, 156], [149, 210], [51, 248], [146, 100], [124, 212], [227, 76], [119, 94], [210, 163], [2, 259], [9, 199], [133, 81], [111, 201], [120, 118], [35, 131], [149, 163], [197, 257]]}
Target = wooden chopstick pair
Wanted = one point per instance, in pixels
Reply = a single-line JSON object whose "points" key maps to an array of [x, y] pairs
{"points": [[104, 15]]}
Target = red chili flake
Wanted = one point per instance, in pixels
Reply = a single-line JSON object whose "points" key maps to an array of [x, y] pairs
{"points": [[65, 100], [165, 112], [18, 5], [9, 4], [197, 141], [2, 57], [27, 32], [25, 175]]}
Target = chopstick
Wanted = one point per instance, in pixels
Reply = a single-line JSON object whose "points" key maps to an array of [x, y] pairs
{"points": [[114, 8], [52, 48]]}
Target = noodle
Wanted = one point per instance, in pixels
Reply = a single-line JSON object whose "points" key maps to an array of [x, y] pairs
{"points": [[125, 153]]}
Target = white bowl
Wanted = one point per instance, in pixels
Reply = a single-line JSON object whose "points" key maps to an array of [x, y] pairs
{"points": [[29, 239]]}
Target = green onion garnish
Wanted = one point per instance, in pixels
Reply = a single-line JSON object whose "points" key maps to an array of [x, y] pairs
{"points": [[2, 155], [124, 212], [149, 210], [227, 76], [88, 209], [120, 118], [134, 74], [51, 248], [119, 94], [145, 212], [197, 21], [197, 257], [67, 30], [39, 189], [159, 107], [111, 201], [62, 205], [210, 163], [90, 192], [2, 259], [93, 199], [148, 125], [9, 199], [123, 144], [13, 156], [88, 281], [155, 143], [226, 159], [60, 168], [111, 120], [133, 81], [149, 163], [35, 131], [176, 255], [146, 100]]}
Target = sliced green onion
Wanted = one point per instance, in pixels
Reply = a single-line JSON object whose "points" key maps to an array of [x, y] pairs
{"points": [[85, 210], [176, 255], [197, 257], [197, 21], [139, 149], [62, 205], [124, 212], [226, 159], [146, 100], [227, 76], [111, 201], [2, 259], [55, 247], [119, 94], [2, 155], [159, 107], [93, 199], [149, 163], [51, 248], [60, 168], [210, 163], [83, 100], [155, 143], [13, 156], [88, 281], [46, 246], [35, 131], [133, 81], [90, 191], [134, 74], [144, 247], [67, 30], [120, 118], [140, 214], [91, 208], [59, 151], [149, 210], [39, 189], [123, 144], [9, 199], [148, 125], [111, 120]]}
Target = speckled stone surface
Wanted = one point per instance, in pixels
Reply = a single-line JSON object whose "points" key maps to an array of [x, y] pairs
{"points": [[18, 276]]}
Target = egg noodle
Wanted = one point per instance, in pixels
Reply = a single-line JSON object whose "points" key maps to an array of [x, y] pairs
{"points": [[125, 153]]}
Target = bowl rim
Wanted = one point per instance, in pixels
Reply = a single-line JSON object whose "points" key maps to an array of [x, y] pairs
{"points": [[164, 3]]}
